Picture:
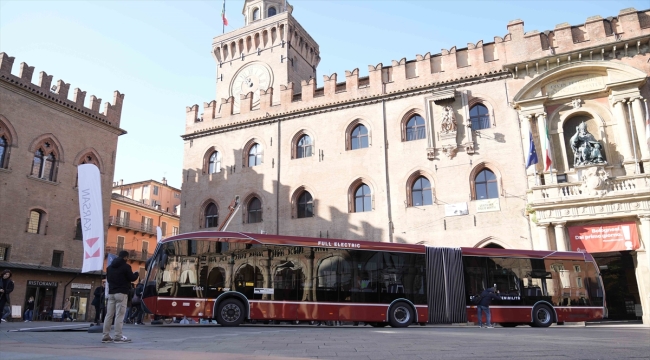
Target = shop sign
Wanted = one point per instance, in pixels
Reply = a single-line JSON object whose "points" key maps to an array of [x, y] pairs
{"points": [[81, 286], [603, 238], [487, 205], [456, 209], [42, 283]]}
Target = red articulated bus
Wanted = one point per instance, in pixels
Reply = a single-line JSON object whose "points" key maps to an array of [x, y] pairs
{"points": [[235, 277]]}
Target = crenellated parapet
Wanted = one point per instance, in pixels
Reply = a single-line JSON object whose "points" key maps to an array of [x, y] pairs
{"points": [[516, 54], [59, 93]]}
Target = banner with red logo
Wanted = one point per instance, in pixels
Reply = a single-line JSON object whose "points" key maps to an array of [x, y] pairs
{"points": [[92, 219], [603, 238]]}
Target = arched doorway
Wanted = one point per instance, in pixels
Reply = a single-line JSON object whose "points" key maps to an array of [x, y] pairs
{"points": [[493, 246]]}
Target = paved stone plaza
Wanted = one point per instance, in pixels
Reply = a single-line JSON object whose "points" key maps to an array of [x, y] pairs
{"points": [[346, 342]]}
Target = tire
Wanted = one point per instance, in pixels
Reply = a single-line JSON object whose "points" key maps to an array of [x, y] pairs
{"points": [[230, 313], [379, 324], [400, 315], [542, 316], [508, 324]]}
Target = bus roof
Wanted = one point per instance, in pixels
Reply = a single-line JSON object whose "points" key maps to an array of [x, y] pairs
{"points": [[265, 239]]}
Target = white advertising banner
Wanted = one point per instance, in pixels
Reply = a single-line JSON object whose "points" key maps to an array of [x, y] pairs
{"points": [[92, 219], [457, 209]]}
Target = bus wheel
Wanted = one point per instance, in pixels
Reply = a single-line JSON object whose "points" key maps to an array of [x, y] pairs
{"points": [[508, 324], [400, 315], [230, 313], [542, 316]]}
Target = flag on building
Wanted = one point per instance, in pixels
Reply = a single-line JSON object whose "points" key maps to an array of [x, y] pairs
{"points": [[548, 162], [647, 126], [223, 14], [92, 218], [532, 154]]}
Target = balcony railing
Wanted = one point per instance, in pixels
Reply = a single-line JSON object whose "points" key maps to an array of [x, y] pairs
{"points": [[130, 224], [613, 187], [133, 254]]}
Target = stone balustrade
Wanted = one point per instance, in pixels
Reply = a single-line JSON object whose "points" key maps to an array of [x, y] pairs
{"points": [[613, 187]]}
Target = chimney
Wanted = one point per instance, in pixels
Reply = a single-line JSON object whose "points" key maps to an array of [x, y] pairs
{"points": [[121, 182], [164, 181]]}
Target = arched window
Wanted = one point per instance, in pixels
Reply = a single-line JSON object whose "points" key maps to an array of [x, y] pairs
{"points": [[34, 222], [415, 129], [305, 205], [211, 216], [255, 155], [254, 211], [421, 193], [362, 199], [3, 151], [480, 117], [43, 166], [272, 11], [485, 185], [359, 137], [214, 164], [304, 147], [256, 14]]}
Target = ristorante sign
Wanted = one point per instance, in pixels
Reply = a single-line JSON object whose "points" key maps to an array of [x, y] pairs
{"points": [[42, 283], [603, 238]]}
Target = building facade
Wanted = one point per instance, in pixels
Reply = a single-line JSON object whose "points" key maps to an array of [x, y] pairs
{"points": [[432, 150], [44, 136], [137, 209]]}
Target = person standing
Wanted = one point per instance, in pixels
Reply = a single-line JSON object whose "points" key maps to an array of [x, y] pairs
{"points": [[29, 309], [6, 311], [6, 287], [119, 277], [99, 302], [484, 306]]}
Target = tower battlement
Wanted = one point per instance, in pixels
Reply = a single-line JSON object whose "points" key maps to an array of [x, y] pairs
{"points": [[519, 53], [59, 93]]}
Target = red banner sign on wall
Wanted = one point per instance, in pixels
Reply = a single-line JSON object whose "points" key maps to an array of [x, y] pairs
{"points": [[603, 238]]}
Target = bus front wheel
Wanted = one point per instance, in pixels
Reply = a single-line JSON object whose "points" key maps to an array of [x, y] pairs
{"points": [[401, 315], [230, 312], [542, 316]]}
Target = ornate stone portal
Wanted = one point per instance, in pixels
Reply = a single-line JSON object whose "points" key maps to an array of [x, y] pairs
{"points": [[595, 181], [586, 149]]}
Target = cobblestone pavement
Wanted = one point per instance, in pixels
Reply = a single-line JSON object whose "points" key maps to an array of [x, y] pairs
{"points": [[324, 342]]}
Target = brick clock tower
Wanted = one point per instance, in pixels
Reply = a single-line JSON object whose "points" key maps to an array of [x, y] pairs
{"points": [[271, 49]]}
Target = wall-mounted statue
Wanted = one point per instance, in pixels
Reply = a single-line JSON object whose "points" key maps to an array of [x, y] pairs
{"points": [[586, 149], [448, 123]]}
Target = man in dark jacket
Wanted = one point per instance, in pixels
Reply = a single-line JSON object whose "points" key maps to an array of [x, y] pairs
{"points": [[6, 287], [484, 306], [118, 277]]}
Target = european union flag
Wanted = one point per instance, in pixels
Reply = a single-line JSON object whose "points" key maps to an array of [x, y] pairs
{"points": [[532, 154]]}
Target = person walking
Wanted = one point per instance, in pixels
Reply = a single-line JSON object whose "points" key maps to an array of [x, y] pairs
{"points": [[66, 311], [118, 277], [129, 297], [484, 306], [29, 309], [99, 302], [6, 287], [6, 311], [137, 304]]}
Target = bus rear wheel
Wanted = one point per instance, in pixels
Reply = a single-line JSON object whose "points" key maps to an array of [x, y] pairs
{"points": [[401, 315], [230, 312], [542, 316]]}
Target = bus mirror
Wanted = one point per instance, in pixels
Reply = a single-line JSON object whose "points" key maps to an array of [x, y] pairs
{"points": [[163, 262]]}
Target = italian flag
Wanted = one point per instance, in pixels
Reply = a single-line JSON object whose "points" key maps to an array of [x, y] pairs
{"points": [[548, 162], [223, 14]]}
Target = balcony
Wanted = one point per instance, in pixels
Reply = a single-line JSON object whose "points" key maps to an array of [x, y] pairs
{"points": [[133, 254], [593, 188], [128, 224]]}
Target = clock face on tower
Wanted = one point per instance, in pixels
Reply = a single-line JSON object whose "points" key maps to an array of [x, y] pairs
{"points": [[251, 78]]}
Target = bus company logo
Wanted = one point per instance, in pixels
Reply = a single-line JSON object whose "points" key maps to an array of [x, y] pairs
{"points": [[339, 244], [174, 303]]}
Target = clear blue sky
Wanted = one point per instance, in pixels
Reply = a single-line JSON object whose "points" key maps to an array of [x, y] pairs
{"points": [[158, 53]]}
